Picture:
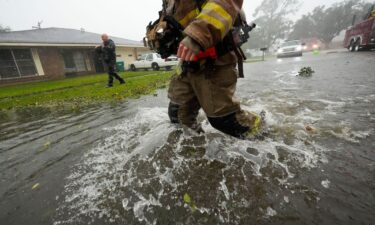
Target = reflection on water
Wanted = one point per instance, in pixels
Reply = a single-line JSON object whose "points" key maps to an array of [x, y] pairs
{"points": [[127, 164]]}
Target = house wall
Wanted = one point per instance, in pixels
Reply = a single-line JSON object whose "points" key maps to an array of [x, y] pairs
{"points": [[52, 62], [39, 66], [88, 56], [49, 62]]}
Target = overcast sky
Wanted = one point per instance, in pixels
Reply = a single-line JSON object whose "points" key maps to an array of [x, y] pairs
{"points": [[122, 18]]}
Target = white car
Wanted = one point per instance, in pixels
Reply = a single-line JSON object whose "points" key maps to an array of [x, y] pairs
{"points": [[153, 61], [290, 49]]}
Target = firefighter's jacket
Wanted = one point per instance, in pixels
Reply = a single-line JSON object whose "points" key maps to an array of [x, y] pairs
{"points": [[206, 23]]}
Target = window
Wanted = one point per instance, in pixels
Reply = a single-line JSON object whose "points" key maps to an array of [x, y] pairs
{"points": [[16, 63], [149, 57], [143, 57], [69, 61], [74, 61], [79, 60], [25, 62], [8, 68]]}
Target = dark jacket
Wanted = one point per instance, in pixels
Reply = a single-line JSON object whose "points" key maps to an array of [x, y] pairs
{"points": [[108, 50]]}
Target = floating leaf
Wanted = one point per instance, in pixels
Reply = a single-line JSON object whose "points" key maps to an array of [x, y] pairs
{"points": [[306, 72], [47, 144], [187, 198], [35, 186], [194, 208], [310, 129]]}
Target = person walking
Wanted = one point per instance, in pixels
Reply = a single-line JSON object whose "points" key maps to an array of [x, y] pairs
{"points": [[108, 51]]}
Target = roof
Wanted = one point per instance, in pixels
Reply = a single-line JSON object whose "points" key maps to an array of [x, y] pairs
{"points": [[59, 37]]}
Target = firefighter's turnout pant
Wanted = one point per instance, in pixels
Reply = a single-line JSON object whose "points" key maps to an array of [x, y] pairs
{"points": [[213, 90]]}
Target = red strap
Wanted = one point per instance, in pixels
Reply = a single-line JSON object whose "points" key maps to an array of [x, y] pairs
{"points": [[209, 53]]}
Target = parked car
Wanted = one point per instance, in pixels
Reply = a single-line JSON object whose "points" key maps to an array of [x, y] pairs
{"points": [[154, 61], [290, 49]]}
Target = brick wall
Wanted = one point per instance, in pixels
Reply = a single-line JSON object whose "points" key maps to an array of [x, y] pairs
{"points": [[53, 66], [22, 80], [52, 62]]}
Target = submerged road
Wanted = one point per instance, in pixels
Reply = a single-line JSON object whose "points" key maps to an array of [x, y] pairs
{"points": [[126, 164]]}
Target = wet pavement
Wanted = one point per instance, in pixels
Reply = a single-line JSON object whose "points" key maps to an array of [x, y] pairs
{"points": [[126, 164]]}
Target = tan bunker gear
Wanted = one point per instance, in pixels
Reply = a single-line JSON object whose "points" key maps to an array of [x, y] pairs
{"points": [[213, 87]]}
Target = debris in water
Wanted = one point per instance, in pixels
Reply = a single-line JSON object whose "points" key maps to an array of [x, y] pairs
{"points": [[224, 188], [35, 186], [310, 129], [187, 198], [271, 212], [326, 183], [306, 72], [47, 145]]}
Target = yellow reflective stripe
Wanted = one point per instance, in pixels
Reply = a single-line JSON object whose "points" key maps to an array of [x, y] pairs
{"points": [[219, 10], [213, 21], [191, 15]]}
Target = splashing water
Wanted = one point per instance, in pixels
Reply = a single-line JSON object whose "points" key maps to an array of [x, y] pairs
{"points": [[146, 164], [141, 172]]}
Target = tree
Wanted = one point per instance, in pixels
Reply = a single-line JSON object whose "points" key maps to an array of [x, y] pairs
{"points": [[326, 23], [272, 22], [306, 27], [4, 29]]}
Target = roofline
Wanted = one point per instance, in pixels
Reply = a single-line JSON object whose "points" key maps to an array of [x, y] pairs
{"points": [[61, 45]]}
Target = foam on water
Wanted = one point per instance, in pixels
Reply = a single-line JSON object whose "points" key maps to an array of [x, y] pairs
{"points": [[326, 183], [145, 165], [117, 163], [271, 212]]}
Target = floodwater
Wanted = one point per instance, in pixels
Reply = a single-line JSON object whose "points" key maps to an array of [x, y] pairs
{"points": [[126, 164]]}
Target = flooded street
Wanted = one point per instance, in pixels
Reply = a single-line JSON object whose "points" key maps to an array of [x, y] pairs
{"points": [[126, 164]]}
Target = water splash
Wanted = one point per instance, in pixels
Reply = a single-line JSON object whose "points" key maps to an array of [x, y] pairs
{"points": [[146, 164]]}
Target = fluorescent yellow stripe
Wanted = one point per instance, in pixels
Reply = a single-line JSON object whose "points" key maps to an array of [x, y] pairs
{"points": [[191, 15], [219, 10], [215, 22]]}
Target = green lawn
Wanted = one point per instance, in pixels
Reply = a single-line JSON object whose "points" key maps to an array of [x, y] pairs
{"points": [[259, 59], [81, 91]]}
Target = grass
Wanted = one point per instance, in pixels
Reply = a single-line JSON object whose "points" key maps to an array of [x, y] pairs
{"points": [[258, 59], [81, 91]]}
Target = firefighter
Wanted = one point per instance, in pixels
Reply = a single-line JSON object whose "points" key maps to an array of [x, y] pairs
{"points": [[209, 84], [108, 51]]}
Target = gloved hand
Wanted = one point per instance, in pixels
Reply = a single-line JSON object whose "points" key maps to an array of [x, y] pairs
{"points": [[188, 49]]}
